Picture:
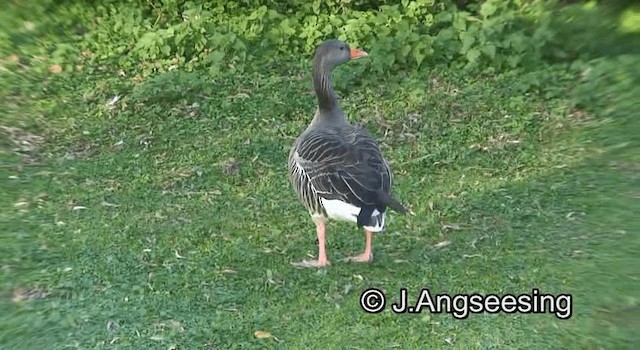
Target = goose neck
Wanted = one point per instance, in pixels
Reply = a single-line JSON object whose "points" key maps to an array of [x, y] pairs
{"points": [[323, 86]]}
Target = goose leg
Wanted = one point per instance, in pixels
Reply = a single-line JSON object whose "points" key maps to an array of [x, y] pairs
{"points": [[367, 255], [322, 253]]}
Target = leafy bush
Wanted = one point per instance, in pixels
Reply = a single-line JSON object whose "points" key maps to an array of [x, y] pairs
{"points": [[147, 36]]}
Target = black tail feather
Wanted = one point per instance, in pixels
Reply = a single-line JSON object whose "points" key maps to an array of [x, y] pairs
{"points": [[393, 203], [364, 217]]}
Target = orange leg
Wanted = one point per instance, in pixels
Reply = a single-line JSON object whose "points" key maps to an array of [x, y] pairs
{"points": [[322, 253], [367, 255]]}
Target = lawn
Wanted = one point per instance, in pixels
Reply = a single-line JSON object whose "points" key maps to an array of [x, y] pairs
{"points": [[156, 213]]}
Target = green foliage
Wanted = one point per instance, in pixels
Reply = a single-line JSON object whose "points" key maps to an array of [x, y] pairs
{"points": [[152, 36]]}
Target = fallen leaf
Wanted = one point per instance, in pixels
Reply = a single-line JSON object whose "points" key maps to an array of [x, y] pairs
{"points": [[231, 168], [55, 68], [176, 325], [476, 240], [262, 335], [20, 294], [107, 204], [113, 101], [29, 26], [240, 95], [78, 207], [572, 215], [442, 244], [14, 58], [117, 146], [455, 227], [577, 253], [178, 255]]}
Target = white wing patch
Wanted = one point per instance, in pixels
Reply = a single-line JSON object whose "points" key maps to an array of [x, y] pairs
{"points": [[339, 210]]}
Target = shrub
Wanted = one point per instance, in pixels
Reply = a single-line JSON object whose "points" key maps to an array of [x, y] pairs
{"points": [[233, 35]]}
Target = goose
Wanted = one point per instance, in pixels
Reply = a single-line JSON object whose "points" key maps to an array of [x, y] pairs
{"points": [[337, 169]]}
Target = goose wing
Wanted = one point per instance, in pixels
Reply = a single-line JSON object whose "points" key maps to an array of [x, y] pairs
{"points": [[346, 165]]}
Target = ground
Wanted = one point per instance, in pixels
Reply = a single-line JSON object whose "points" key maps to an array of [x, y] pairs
{"points": [[158, 214]]}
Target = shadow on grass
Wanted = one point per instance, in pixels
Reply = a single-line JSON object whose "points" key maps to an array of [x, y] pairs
{"points": [[590, 31], [575, 227]]}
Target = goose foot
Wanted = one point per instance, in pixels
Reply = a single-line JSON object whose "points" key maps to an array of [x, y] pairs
{"points": [[367, 255], [311, 263], [322, 260], [362, 258]]}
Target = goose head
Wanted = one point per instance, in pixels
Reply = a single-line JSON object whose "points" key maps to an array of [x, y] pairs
{"points": [[334, 52]]}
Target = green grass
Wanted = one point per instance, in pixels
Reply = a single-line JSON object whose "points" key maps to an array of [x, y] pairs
{"points": [[167, 219]]}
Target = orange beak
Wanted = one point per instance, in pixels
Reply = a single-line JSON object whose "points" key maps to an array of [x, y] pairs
{"points": [[355, 53]]}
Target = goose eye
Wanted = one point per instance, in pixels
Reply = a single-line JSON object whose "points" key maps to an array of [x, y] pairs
{"points": [[341, 48]]}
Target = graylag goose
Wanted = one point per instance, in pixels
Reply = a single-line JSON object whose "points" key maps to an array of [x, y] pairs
{"points": [[336, 169]]}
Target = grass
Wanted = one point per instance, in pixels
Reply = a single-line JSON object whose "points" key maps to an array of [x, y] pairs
{"points": [[165, 220]]}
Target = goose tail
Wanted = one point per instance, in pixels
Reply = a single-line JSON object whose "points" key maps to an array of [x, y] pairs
{"points": [[393, 203]]}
